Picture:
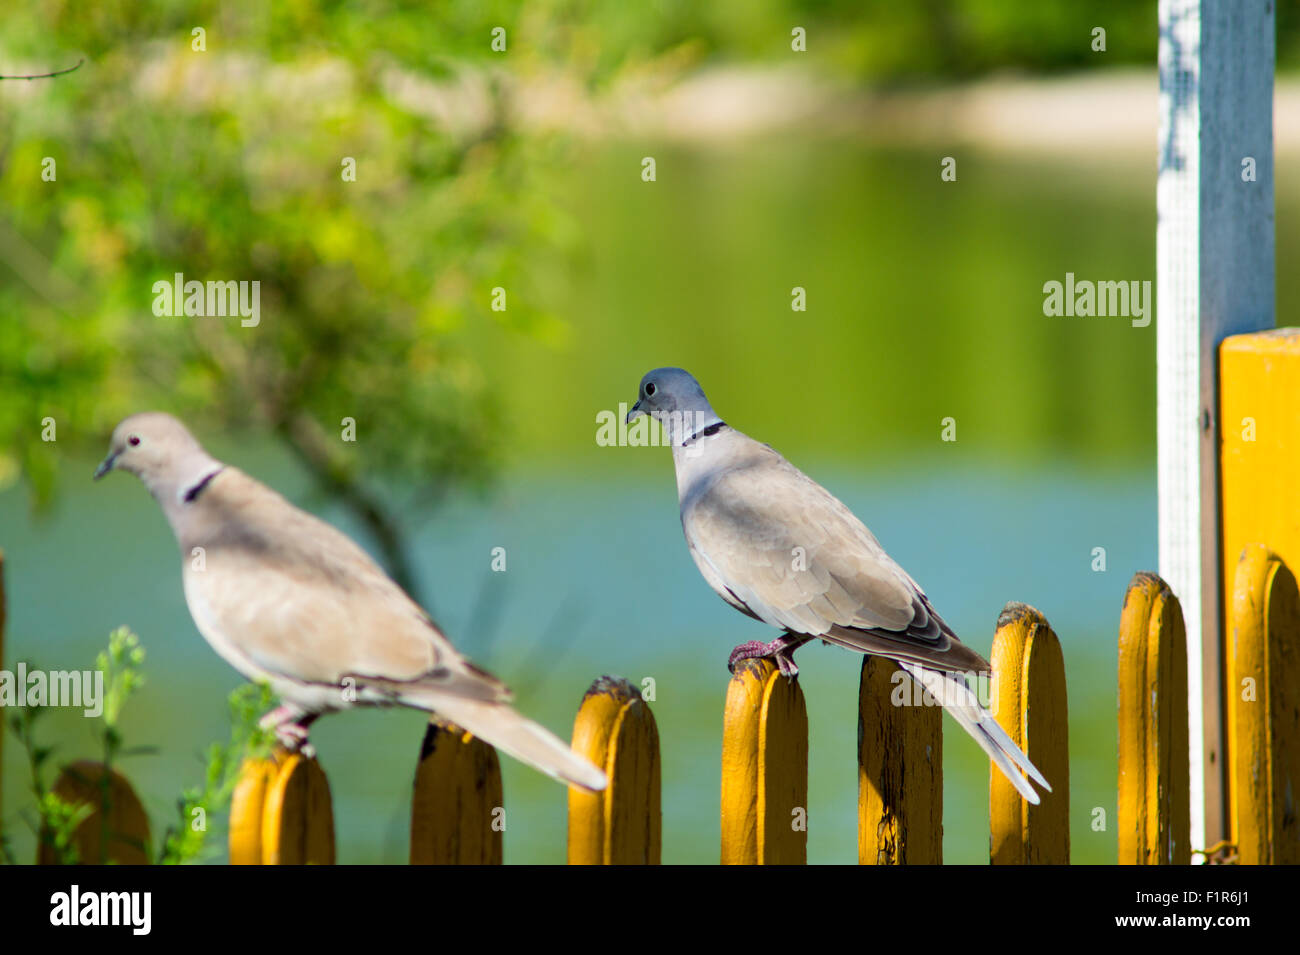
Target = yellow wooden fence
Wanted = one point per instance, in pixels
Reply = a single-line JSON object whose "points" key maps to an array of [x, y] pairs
{"points": [[281, 810], [620, 825], [1030, 703], [1154, 807], [1264, 710]]}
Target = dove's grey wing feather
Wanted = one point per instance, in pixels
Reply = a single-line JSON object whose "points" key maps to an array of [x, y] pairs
{"points": [[300, 601], [776, 542]]}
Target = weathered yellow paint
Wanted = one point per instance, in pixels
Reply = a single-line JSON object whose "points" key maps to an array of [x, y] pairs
{"points": [[247, 807], [1264, 710], [1259, 415], [1030, 703], [298, 818], [456, 812], [764, 768], [900, 769], [621, 825], [81, 783], [1154, 820], [1260, 472]]}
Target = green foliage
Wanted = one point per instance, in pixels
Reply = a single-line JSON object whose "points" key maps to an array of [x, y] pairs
{"points": [[963, 38], [120, 665], [185, 839], [227, 165], [55, 819]]}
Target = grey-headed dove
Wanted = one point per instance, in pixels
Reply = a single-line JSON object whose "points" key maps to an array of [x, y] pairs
{"points": [[779, 547]]}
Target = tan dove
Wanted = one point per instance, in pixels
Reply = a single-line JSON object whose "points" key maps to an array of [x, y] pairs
{"points": [[779, 547], [285, 598]]}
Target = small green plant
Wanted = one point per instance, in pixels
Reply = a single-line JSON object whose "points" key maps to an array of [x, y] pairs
{"points": [[120, 664], [56, 819], [184, 840]]}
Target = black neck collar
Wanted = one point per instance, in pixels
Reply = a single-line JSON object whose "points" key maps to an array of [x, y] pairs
{"points": [[705, 432], [198, 488]]}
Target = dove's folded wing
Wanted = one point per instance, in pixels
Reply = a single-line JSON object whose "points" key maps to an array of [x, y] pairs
{"points": [[303, 602], [782, 548]]}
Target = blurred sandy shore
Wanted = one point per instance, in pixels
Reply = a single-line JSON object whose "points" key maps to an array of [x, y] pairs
{"points": [[1111, 112]]}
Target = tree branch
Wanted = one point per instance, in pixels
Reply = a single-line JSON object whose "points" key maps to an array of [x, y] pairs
{"points": [[304, 436], [45, 76]]}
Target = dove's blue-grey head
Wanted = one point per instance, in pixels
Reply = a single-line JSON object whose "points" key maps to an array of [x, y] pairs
{"points": [[675, 399], [157, 449]]}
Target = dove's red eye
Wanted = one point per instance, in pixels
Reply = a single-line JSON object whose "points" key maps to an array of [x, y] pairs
{"points": [[133, 440]]}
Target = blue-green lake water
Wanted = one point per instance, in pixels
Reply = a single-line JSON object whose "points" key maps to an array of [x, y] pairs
{"points": [[598, 581]]}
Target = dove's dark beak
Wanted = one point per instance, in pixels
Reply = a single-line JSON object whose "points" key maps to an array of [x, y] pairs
{"points": [[635, 412], [105, 466]]}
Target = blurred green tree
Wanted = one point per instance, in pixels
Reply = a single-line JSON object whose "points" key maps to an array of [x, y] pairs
{"points": [[211, 139], [235, 162]]}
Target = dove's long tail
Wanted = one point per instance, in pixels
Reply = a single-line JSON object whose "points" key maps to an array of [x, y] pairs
{"points": [[958, 699], [526, 741]]}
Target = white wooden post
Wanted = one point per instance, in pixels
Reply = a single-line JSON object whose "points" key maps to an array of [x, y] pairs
{"points": [[1214, 255]]}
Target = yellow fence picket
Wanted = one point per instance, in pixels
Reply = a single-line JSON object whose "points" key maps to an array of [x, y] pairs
{"points": [[900, 769], [247, 803], [122, 838], [298, 824], [1154, 803], [457, 810], [1030, 703], [1259, 463], [1264, 710], [281, 813], [764, 768], [621, 825]]}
